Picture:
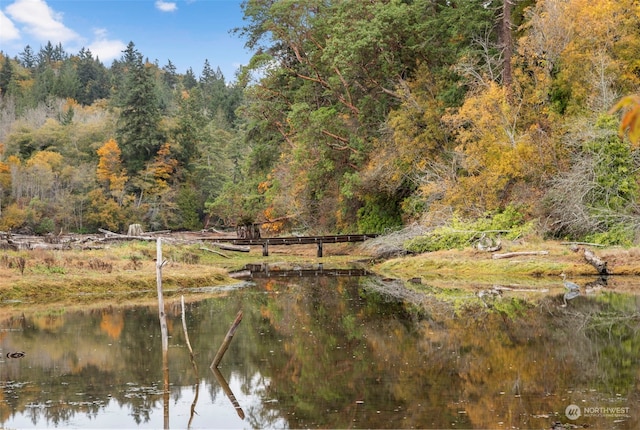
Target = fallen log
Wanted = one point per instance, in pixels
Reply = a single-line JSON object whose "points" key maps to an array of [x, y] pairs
{"points": [[228, 247], [573, 244], [520, 289], [214, 251], [599, 264], [518, 254], [117, 236]]}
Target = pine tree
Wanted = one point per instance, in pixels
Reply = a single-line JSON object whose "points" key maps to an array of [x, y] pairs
{"points": [[6, 73], [189, 80], [138, 130], [170, 76], [28, 58], [93, 77]]}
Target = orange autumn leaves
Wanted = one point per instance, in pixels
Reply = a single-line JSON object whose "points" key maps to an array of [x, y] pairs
{"points": [[111, 172], [630, 123]]}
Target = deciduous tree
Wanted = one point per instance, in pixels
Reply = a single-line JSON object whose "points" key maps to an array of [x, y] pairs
{"points": [[110, 171]]}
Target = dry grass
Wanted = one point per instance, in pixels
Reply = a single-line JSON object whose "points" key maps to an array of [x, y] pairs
{"points": [[41, 276], [127, 272]]}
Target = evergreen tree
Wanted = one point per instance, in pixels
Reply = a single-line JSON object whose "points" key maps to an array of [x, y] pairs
{"points": [[46, 55], [6, 74], [138, 131], [66, 84], [170, 76], [190, 128], [93, 78], [45, 81], [189, 80], [28, 58]]}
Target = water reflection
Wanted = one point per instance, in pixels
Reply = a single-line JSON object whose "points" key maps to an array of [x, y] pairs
{"points": [[329, 352]]}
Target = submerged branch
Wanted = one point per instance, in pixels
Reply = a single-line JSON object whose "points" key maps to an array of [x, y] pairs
{"points": [[227, 340]]}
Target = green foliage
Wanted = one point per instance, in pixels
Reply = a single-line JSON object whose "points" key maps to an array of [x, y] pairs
{"points": [[344, 104], [138, 133], [615, 174], [616, 235], [187, 216], [378, 215], [46, 225], [509, 224]]}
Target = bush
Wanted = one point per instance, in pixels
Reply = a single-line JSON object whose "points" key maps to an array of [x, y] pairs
{"points": [[508, 224], [46, 225], [617, 235], [378, 215]]}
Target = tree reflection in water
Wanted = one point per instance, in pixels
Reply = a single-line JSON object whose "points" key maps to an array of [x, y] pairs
{"points": [[330, 353]]}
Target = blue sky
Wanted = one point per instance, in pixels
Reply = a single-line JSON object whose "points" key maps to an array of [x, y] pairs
{"points": [[184, 31]]}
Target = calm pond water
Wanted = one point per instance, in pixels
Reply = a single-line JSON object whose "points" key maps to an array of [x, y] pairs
{"points": [[327, 352]]}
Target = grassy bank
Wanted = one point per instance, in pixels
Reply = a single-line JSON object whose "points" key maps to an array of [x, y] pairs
{"points": [[126, 272]]}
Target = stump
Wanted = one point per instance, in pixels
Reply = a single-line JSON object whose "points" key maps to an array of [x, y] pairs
{"points": [[135, 230]]}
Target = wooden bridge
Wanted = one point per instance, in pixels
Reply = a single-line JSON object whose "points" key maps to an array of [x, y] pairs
{"points": [[297, 240], [263, 271]]}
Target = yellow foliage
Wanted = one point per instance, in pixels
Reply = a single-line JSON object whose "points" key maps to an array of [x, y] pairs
{"points": [[13, 160], [12, 217], [494, 151], [71, 104], [273, 227], [417, 134], [46, 159], [164, 166], [5, 176], [630, 123], [589, 49], [264, 186], [103, 212], [110, 170]]}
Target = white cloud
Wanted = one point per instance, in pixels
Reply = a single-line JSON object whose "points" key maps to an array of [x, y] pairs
{"points": [[8, 31], [39, 20], [104, 48], [166, 6]]}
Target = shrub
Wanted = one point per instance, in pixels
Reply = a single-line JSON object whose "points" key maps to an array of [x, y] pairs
{"points": [[509, 224], [617, 235], [378, 215]]}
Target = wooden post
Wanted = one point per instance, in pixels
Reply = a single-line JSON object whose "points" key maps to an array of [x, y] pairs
{"points": [[265, 249], [227, 340], [161, 313], [163, 330], [320, 249]]}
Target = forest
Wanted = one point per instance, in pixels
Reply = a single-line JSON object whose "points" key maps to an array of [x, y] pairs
{"points": [[351, 116]]}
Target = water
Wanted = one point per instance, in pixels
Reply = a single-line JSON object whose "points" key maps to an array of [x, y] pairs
{"points": [[327, 352]]}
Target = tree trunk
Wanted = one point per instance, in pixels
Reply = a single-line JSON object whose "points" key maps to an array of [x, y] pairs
{"points": [[507, 44]]}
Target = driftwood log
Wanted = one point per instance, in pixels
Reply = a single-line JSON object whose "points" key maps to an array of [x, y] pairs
{"points": [[203, 248], [229, 247], [19, 242], [518, 254], [591, 258]]}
